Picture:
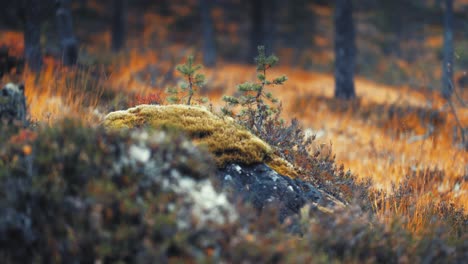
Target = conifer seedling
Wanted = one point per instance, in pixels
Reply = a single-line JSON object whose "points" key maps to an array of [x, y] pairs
{"points": [[253, 108], [188, 88]]}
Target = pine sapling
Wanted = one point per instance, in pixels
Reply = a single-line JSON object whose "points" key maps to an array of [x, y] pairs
{"points": [[188, 88], [253, 108]]}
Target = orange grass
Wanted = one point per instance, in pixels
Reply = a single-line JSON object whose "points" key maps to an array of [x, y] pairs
{"points": [[58, 92]]}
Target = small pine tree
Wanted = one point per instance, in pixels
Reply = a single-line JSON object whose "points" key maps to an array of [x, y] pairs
{"points": [[254, 110], [188, 88]]}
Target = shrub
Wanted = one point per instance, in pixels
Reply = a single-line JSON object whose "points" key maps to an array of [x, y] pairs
{"points": [[152, 98]]}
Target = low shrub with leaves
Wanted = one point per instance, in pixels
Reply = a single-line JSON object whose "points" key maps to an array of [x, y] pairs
{"points": [[188, 89], [292, 144], [152, 98]]}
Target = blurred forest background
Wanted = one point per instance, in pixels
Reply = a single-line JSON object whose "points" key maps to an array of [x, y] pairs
{"points": [[398, 42], [401, 125]]}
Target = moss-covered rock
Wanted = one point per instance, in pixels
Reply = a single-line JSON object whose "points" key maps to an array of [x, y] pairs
{"points": [[226, 140]]}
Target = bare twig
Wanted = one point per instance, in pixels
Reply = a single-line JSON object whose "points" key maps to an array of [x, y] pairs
{"points": [[459, 124], [457, 95]]}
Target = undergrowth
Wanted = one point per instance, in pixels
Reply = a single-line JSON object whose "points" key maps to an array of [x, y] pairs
{"points": [[418, 200], [61, 201], [51, 217]]}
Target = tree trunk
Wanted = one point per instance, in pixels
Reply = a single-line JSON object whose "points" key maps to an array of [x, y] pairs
{"points": [[257, 34], [269, 24], [32, 34], [301, 20], [68, 41], [118, 25], [83, 4], [209, 43], [447, 67], [345, 50]]}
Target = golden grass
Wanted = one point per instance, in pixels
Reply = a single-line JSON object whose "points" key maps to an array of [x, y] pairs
{"points": [[59, 92]]}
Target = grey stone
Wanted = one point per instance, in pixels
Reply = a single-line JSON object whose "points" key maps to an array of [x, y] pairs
{"points": [[261, 185], [12, 104]]}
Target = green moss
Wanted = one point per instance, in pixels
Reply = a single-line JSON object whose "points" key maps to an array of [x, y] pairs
{"points": [[226, 140]]}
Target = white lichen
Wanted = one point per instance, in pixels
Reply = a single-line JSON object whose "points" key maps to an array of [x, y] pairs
{"points": [[138, 153], [206, 205]]}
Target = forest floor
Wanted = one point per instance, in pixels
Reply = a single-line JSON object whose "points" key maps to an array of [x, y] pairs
{"points": [[394, 135], [389, 134]]}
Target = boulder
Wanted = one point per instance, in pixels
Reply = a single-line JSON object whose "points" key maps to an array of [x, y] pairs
{"points": [[262, 186], [246, 164], [12, 103]]}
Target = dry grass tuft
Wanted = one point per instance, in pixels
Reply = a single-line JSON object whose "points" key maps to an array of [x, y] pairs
{"points": [[59, 92]]}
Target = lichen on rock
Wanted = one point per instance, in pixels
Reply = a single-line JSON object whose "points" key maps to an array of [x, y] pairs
{"points": [[12, 103]]}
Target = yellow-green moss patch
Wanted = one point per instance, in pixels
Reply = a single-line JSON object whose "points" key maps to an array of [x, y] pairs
{"points": [[226, 140]]}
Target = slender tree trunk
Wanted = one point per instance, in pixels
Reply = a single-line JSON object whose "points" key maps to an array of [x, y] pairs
{"points": [[302, 21], [209, 43], [345, 50], [447, 67], [257, 34], [118, 25], [269, 24], [83, 4], [68, 41], [32, 34]]}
